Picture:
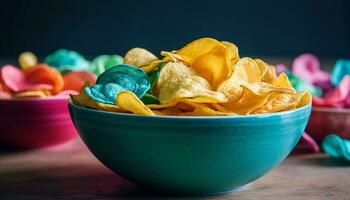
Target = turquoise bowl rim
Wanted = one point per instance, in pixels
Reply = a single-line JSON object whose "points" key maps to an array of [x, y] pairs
{"points": [[248, 117]]}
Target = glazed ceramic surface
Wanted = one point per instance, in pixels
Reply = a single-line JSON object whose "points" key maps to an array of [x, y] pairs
{"points": [[190, 155], [35, 123], [325, 121]]}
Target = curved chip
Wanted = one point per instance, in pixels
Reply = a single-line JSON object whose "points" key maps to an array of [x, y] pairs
{"points": [[245, 71], [205, 112], [247, 103], [340, 69], [16, 80], [43, 74], [138, 57], [66, 60], [32, 94], [173, 69], [208, 57], [82, 99], [177, 81], [76, 79], [283, 101], [118, 79], [233, 49], [283, 81], [268, 72], [104, 62], [128, 101]]}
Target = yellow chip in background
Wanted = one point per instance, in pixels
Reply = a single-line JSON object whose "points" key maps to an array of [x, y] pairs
{"points": [[130, 102], [151, 66], [32, 94], [27, 59], [138, 57]]}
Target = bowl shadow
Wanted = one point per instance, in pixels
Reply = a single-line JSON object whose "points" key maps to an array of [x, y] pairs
{"points": [[326, 162]]}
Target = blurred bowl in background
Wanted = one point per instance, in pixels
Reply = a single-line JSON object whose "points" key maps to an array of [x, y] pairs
{"points": [[35, 123], [325, 121], [190, 155]]}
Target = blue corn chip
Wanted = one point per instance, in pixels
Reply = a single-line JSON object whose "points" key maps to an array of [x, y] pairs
{"points": [[340, 69], [117, 79], [65, 60]]}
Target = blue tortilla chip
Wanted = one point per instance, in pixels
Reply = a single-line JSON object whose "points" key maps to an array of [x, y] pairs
{"points": [[117, 79]]}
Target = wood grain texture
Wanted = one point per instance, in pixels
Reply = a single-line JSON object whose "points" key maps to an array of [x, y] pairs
{"points": [[71, 171]]}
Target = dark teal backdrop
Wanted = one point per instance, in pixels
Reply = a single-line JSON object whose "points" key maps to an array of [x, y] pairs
{"points": [[267, 28]]}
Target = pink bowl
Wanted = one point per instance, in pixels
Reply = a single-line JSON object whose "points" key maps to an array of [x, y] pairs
{"points": [[35, 123], [324, 121]]}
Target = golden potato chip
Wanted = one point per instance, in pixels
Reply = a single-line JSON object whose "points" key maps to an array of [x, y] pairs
{"points": [[270, 74], [188, 87], [32, 94], [130, 102], [245, 71], [304, 100], [283, 81], [233, 49], [231, 89], [262, 67], [208, 57], [151, 66], [177, 81], [139, 57], [82, 99], [205, 111], [173, 69], [263, 88], [172, 111], [283, 101], [247, 103], [184, 104], [171, 56]]}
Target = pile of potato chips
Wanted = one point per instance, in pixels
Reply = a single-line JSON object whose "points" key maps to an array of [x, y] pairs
{"points": [[39, 80], [205, 78]]}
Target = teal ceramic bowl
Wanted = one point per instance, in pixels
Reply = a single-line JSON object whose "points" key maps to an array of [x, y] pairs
{"points": [[190, 155]]}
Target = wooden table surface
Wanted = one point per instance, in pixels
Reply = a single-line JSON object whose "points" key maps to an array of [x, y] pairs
{"points": [[71, 171]]}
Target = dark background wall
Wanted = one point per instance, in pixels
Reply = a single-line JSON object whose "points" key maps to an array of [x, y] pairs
{"points": [[92, 27]]}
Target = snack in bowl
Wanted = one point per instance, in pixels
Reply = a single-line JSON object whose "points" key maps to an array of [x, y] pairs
{"points": [[204, 78], [331, 95], [33, 103], [198, 121]]}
